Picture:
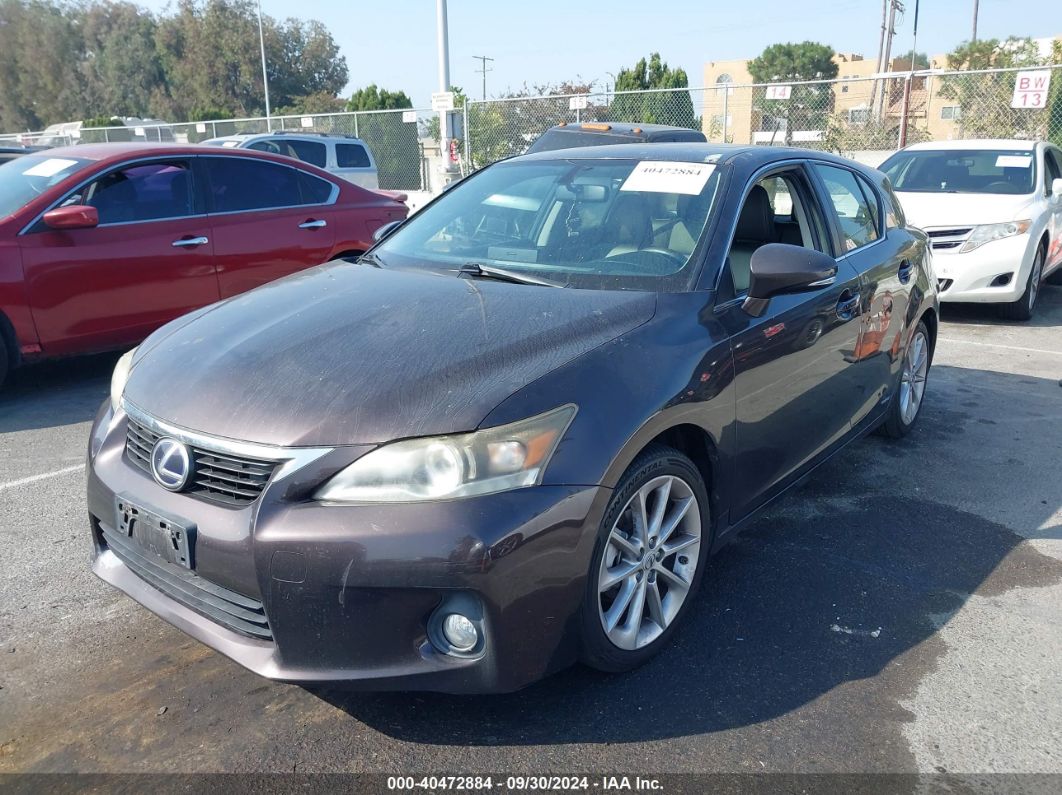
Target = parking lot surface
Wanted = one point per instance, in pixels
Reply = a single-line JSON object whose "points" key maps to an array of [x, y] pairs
{"points": [[900, 612]]}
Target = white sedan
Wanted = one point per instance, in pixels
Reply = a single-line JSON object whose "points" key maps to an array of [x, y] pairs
{"points": [[993, 211]]}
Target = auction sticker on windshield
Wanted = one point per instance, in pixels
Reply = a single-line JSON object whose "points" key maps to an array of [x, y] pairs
{"points": [[666, 176], [49, 167]]}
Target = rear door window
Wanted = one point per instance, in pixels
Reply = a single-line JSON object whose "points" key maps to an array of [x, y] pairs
{"points": [[352, 156], [312, 152], [240, 184], [858, 221]]}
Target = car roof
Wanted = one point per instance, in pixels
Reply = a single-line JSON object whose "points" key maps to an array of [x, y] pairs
{"points": [[312, 136], [689, 152], [622, 128], [121, 151], [973, 144]]}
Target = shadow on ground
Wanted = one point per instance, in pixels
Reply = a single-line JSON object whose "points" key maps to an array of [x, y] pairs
{"points": [[833, 584], [60, 392]]}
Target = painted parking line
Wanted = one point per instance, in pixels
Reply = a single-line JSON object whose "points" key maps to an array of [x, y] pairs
{"points": [[1004, 347], [13, 484]]}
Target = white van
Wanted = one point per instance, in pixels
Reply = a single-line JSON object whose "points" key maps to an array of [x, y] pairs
{"points": [[343, 155]]}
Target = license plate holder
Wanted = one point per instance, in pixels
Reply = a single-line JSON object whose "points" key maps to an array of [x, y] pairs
{"points": [[171, 539]]}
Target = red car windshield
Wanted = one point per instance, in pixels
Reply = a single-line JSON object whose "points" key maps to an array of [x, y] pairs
{"points": [[24, 179]]}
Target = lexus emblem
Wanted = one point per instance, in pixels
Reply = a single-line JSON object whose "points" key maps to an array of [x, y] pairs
{"points": [[171, 464]]}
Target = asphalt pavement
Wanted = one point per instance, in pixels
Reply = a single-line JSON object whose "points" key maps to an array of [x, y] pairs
{"points": [[900, 612]]}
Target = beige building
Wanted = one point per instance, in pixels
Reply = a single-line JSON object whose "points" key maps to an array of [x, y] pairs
{"points": [[734, 113]]}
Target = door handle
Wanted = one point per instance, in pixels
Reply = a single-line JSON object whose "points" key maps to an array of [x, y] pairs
{"points": [[905, 272], [848, 306], [314, 224], [187, 242]]}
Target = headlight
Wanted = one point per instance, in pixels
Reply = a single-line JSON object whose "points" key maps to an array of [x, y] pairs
{"points": [[120, 376], [986, 233], [446, 467]]}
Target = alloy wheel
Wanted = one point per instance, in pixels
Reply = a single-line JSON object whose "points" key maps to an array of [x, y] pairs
{"points": [[913, 379], [649, 562], [1035, 278]]}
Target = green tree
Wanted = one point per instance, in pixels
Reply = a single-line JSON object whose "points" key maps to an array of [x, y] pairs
{"points": [[393, 142], [984, 99], [673, 107], [809, 106], [120, 67], [1054, 113]]}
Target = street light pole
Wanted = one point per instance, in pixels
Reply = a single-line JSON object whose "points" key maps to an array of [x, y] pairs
{"points": [[265, 77], [445, 128]]}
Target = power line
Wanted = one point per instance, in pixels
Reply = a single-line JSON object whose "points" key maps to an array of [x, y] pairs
{"points": [[483, 70]]}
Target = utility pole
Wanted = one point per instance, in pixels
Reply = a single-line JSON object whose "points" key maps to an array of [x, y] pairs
{"points": [[885, 58], [265, 77], [483, 69], [976, 3]]}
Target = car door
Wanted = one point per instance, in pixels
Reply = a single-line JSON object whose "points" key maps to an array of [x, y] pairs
{"points": [[267, 220], [885, 261], [148, 261], [792, 364], [1053, 171]]}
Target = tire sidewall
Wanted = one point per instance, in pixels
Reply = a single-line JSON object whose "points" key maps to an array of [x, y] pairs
{"points": [[598, 650]]}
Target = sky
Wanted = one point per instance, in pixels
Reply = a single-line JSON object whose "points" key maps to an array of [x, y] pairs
{"points": [[392, 43]]}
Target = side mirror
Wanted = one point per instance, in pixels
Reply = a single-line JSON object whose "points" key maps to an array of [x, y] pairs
{"points": [[385, 230], [1056, 189], [73, 216], [778, 268]]}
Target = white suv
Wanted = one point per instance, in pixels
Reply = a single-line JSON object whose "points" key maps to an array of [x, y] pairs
{"points": [[343, 155], [993, 212]]}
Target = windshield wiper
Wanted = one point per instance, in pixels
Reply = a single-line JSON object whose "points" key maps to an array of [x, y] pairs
{"points": [[369, 258], [504, 275]]}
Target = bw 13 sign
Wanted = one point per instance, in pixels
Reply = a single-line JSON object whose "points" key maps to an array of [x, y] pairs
{"points": [[1030, 89]]}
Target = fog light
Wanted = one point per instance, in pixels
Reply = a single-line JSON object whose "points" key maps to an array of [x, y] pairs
{"points": [[460, 632]]}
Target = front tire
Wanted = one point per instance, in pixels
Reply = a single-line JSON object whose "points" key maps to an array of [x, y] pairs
{"points": [[4, 361], [651, 551], [1022, 309], [906, 405]]}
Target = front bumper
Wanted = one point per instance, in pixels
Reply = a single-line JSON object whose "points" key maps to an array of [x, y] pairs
{"points": [[349, 592], [968, 277]]}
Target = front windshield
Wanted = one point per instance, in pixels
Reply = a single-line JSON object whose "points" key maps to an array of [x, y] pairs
{"points": [[995, 171], [593, 224], [24, 179]]}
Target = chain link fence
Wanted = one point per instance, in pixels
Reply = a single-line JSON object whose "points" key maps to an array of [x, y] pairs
{"points": [[866, 117], [398, 139], [862, 117]]}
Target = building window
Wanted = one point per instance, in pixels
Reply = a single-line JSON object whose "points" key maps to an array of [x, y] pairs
{"points": [[717, 121], [950, 112], [858, 115], [725, 79]]}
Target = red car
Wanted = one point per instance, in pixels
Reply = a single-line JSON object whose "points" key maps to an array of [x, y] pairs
{"points": [[102, 244]]}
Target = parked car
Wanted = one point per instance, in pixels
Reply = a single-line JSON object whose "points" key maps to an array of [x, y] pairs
{"points": [[437, 470], [343, 155], [566, 136], [11, 152], [993, 211], [102, 244]]}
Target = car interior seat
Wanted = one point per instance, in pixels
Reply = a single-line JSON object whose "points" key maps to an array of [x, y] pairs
{"points": [[755, 228], [628, 226]]}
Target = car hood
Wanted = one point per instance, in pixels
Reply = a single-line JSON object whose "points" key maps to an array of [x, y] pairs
{"points": [[935, 210], [348, 354]]}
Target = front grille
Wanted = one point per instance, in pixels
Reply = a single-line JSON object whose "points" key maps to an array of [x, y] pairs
{"points": [[232, 610], [219, 477], [943, 239]]}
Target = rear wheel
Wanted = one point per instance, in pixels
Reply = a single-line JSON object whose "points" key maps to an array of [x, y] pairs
{"points": [[651, 551], [5, 358], [906, 403], [1022, 309]]}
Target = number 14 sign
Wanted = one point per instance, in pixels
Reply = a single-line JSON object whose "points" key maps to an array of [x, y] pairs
{"points": [[1030, 89]]}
